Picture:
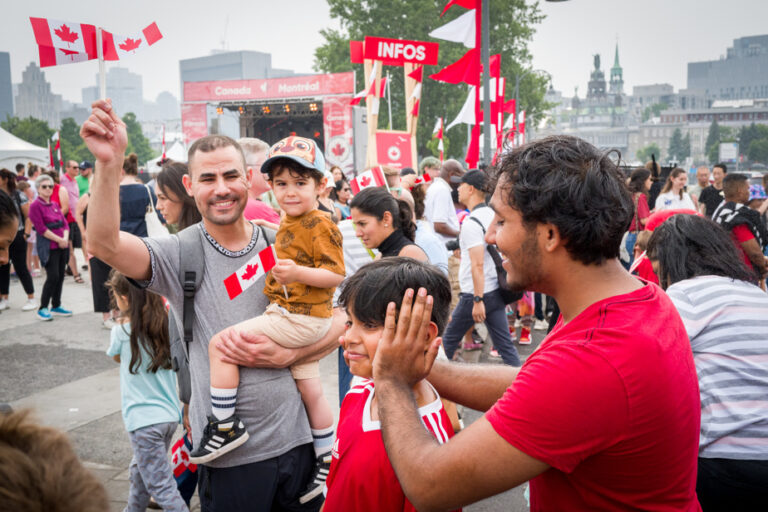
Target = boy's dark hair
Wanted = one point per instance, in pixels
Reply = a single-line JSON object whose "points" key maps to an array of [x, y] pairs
{"points": [[149, 324], [568, 182], [295, 169], [375, 201], [39, 470], [722, 166], [369, 290], [732, 183], [687, 246]]}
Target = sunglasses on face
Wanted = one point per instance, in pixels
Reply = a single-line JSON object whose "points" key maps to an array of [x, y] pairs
{"points": [[46, 186]]}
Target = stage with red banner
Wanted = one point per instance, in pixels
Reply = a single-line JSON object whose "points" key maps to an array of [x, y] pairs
{"points": [[314, 106]]}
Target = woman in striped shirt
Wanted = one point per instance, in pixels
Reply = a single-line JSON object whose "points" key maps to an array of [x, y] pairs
{"points": [[726, 317]]}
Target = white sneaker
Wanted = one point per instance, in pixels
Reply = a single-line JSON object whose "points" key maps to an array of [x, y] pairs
{"points": [[540, 325], [108, 324], [4, 304], [31, 305]]}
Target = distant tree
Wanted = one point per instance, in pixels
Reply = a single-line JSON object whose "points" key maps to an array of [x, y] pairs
{"points": [[750, 134], [758, 150], [72, 145], [713, 142], [675, 145], [686, 147], [512, 27], [644, 154], [137, 143], [32, 130], [654, 110]]}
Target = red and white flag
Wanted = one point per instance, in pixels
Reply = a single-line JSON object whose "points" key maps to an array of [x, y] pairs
{"points": [[370, 91], [371, 178], [57, 148], [50, 154], [244, 277], [64, 42], [117, 47], [424, 178], [162, 159], [383, 87]]}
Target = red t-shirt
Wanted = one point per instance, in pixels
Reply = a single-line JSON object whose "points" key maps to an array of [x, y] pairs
{"points": [[361, 476], [256, 209], [643, 212], [742, 233], [645, 271], [611, 402]]}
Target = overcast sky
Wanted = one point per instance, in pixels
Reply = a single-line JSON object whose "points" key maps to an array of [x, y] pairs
{"points": [[657, 38]]}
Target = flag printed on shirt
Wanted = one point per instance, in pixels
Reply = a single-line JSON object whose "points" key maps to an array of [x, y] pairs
{"points": [[370, 178], [244, 277]]}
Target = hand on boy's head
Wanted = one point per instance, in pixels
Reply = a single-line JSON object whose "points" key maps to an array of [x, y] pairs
{"points": [[400, 356]]}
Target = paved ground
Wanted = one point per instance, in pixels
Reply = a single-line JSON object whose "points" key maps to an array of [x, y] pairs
{"points": [[59, 370]]}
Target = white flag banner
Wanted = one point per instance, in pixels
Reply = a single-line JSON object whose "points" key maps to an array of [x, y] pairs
{"points": [[467, 112], [460, 30], [416, 92]]}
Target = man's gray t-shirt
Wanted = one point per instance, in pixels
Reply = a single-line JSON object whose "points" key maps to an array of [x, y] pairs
{"points": [[268, 401]]}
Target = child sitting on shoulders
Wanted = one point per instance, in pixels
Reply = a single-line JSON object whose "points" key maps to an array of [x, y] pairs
{"points": [[300, 287], [361, 476]]}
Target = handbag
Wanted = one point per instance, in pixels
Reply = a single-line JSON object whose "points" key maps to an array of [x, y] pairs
{"points": [[155, 228]]}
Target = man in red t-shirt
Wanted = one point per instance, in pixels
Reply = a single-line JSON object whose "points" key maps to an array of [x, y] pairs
{"points": [[255, 151], [605, 414]]}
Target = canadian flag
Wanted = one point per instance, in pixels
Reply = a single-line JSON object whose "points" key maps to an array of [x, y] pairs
{"points": [[371, 90], [438, 132], [64, 42], [57, 147], [244, 277], [371, 178], [424, 178]]}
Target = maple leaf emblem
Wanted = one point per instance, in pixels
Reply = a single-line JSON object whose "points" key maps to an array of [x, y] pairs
{"points": [[365, 181], [130, 44], [70, 53], [337, 150], [65, 34], [250, 271]]}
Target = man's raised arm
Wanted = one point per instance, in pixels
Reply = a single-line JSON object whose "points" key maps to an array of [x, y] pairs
{"points": [[105, 135]]}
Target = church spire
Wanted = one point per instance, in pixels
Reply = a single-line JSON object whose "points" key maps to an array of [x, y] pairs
{"points": [[617, 75]]}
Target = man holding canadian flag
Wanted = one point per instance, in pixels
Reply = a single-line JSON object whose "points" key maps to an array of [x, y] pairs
{"points": [[276, 462]]}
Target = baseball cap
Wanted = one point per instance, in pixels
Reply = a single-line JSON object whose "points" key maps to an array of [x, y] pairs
{"points": [[85, 164], [301, 150], [476, 178], [757, 192]]}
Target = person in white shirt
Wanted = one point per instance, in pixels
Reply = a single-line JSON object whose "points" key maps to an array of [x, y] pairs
{"points": [[673, 195], [438, 205], [480, 299]]}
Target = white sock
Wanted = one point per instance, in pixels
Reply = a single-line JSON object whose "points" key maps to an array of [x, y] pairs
{"points": [[223, 402], [322, 440]]}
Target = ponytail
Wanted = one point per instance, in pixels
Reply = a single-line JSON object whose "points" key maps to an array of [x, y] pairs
{"points": [[404, 220]]}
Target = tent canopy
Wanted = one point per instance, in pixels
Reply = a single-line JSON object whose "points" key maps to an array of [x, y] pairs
{"points": [[177, 152], [13, 151]]}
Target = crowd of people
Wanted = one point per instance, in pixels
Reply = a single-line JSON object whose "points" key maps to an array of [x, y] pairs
{"points": [[273, 264]]}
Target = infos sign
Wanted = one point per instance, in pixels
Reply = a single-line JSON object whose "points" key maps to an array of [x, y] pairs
{"points": [[400, 51]]}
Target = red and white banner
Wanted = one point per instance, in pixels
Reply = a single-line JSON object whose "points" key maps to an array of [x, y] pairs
{"points": [[62, 42], [373, 177], [370, 91], [194, 121], [271, 88], [247, 275], [337, 128], [393, 149], [399, 51]]}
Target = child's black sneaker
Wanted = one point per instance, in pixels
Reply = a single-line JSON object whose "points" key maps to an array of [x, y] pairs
{"points": [[319, 475], [219, 437]]}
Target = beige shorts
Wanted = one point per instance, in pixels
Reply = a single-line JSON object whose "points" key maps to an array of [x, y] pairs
{"points": [[290, 330]]}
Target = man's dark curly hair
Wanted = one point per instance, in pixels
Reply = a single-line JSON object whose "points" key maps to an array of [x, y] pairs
{"points": [[568, 182]]}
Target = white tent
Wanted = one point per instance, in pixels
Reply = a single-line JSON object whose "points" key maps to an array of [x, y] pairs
{"points": [[177, 152], [13, 151]]}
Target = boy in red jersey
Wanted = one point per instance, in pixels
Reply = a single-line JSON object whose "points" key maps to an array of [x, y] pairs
{"points": [[361, 476]]}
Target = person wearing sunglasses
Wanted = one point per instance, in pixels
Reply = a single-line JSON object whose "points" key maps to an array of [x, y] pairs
{"points": [[52, 247]]}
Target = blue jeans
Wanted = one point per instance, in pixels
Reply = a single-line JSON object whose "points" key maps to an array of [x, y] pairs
{"points": [[630, 245], [495, 320]]}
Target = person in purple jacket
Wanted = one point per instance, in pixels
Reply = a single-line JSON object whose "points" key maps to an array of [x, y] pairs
{"points": [[52, 247]]}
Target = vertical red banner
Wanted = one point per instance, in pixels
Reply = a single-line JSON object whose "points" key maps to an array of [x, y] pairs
{"points": [[194, 121], [337, 127], [394, 149]]}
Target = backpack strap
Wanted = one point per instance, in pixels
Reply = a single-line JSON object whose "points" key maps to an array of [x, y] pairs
{"points": [[191, 269], [478, 222]]}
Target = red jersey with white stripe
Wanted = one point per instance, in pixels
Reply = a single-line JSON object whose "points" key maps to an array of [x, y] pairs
{"points": [[361, 476]]}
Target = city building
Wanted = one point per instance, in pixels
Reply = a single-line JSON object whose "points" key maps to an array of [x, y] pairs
{"points": [[6, 86], [226, 65], [742, 74], [124, 87], [35, 98]]}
